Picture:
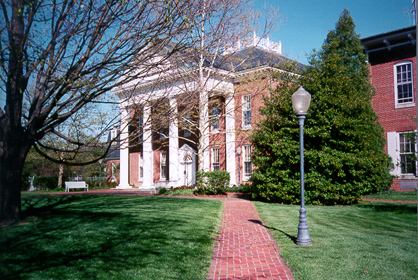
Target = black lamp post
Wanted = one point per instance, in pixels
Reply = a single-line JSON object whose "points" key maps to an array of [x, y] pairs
{"points": [[301, 100], [100, 173], [239, 150]]}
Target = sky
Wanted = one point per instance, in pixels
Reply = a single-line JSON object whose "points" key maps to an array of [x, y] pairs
{"points": [[308, 22]]}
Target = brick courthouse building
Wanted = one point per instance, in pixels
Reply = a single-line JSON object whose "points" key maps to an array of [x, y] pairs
{"points": [[147, 163], [393, 69], [168, 156]]}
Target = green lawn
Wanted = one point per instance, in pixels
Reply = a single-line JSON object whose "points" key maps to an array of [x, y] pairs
{"points": [[110, 237], [368, 241]]}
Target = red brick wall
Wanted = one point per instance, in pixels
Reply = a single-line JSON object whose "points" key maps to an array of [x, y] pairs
{"points": [[258, 90], [382, 77], [218, 140], [392, 119]]}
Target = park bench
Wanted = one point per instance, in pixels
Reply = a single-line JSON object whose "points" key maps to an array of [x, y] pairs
{"points": [[76, 185]]}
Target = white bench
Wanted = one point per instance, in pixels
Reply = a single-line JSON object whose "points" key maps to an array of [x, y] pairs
{"points": [[76, 185]]}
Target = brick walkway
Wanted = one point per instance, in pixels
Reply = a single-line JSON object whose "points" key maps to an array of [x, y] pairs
{"points": [[244, 248]]}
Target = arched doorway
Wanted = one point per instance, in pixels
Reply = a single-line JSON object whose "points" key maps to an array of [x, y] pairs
{"points": [[187, 170]]}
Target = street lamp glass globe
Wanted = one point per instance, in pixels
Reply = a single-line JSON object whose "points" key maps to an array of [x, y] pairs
{"points": [[301, 100]]}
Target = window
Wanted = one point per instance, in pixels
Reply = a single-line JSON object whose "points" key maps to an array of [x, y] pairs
{"points": [[187, 125], [113, 133], [114, 172], [163, 165], [407, 153], [140, 129], [247, 162], [215, 159], [246, 111], [215, 118], [404, 83], [163, 132], [140, 167]]}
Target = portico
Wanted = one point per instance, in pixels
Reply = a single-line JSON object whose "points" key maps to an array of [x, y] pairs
{"points": [[170, 157]]}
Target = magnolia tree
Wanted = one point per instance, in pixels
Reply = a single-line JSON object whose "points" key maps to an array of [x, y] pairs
{"points": [[344, 143], [56, 57]]}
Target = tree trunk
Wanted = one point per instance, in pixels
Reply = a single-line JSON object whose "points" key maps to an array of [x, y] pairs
{"points": [[60, 171], [11, 166], [14, 146]]}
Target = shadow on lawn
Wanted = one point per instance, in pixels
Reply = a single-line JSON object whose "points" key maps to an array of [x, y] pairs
{"points": [[71, 237], [293, 238], [398, 208]]}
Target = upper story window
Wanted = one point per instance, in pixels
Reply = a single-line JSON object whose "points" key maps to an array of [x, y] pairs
{"points": [[246, 111], [163, 132], [187, 124], [215, 118], [407, 153], [140, 129], [113, 133], [215, 159], [404, 87]]}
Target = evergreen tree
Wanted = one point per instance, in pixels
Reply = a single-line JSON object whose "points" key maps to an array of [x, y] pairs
{"points": [[344, 143]]}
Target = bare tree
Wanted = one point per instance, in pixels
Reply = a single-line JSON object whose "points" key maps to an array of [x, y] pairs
{"points": [[196, 73], [71, 53]]}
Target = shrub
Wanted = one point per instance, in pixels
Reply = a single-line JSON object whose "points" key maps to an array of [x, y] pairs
{"points": [[94, 184], [45, 183], [212, 182], [162, 191]]}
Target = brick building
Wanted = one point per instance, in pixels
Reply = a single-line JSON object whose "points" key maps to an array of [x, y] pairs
{"points": [[392, 59], [165, 152]]}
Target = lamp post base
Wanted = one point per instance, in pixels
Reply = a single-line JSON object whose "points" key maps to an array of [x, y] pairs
{"points": [[303, 238]]}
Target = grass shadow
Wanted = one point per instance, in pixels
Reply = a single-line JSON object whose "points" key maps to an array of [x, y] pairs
{"points": [[291, 237], [105, 237], [398, 208]]}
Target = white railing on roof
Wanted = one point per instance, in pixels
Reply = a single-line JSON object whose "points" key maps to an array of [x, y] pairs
{"points": [[255, 41]]}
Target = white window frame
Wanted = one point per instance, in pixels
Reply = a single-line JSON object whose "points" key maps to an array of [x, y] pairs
{"points": [[247, 161], [394, 151], [406, 143], [215, 159], [246, 108], [140, 167], [113, 133], [114, 172], [163, 166], [395, 71]]}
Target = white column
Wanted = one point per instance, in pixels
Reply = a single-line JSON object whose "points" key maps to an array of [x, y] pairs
{"points": [[230, 137], [173, 145], [124, 150], [147, 149], [204, 129]]}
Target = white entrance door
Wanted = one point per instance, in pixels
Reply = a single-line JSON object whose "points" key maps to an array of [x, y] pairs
{"points": [[187, 170]]}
